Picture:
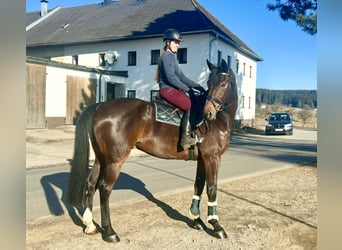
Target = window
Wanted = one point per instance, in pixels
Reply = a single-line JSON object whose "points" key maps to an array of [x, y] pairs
{"points": [[244, 69], [155, 56], [249, 102], [115, 90], [182, 55], [219, 57], [250, 71], [102, 61], [237, 66], [75, 59], [154, 94], [228, 61], [131, 94], [243, 101], [132, 58]]}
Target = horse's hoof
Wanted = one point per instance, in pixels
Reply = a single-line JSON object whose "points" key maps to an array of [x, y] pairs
{"points": [[221, 234], [91, 232], [198, 224], [112, 238]]}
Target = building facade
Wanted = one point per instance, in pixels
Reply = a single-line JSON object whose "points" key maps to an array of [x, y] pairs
{"points": [[135, 49]]}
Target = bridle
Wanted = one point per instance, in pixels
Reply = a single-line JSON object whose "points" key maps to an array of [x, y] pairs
{"points": [[218, 104]]}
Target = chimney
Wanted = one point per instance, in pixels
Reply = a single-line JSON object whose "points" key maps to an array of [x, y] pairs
{"points": [[43, 7]]}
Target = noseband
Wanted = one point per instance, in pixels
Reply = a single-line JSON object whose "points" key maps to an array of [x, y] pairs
{"points": [[214, 101]]}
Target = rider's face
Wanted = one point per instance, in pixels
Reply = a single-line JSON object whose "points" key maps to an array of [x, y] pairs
{"points": [[173, 46]]}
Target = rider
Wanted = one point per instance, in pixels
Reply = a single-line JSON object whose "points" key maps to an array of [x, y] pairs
{"points": [[175, 87]]}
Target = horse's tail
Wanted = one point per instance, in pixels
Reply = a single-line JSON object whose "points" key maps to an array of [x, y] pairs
{"points": [[80, 161]]}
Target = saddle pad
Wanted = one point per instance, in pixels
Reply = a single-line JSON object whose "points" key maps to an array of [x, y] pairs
{"points": [[167, 114]]}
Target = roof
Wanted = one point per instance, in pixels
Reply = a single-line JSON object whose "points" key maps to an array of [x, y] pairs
{"points": [[127, 19], [32, 17], [47, 62]]}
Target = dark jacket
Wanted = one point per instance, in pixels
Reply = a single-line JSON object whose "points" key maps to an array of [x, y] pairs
{"points": [[171, 75]]}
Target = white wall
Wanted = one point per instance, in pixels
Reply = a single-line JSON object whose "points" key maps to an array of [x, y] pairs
{"points": [[56, 88], [246, 85], [141, 77], [55, 102]]}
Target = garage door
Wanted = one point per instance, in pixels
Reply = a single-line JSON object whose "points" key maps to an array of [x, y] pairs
{"points": [[81, 92]]}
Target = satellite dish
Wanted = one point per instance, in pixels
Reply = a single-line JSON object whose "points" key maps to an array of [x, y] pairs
{"points": [[111, 57]]}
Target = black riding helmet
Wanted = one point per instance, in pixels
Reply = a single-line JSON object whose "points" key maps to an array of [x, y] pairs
{"points": [[172, 34]]}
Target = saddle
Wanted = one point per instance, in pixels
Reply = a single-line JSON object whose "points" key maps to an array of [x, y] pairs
{"points": [[168, 113]]}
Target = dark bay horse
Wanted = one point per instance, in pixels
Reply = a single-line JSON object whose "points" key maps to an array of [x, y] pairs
{"points": [[116, 127]]}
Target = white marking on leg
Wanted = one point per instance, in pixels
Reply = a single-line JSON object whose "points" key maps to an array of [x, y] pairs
{"points": [[88, 221], [87, 217]]}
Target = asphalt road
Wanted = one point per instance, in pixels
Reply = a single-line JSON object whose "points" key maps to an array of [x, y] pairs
{"points": [[248, 155]]}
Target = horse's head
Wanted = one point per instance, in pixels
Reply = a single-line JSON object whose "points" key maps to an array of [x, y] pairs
{"points": [[218, 87]]}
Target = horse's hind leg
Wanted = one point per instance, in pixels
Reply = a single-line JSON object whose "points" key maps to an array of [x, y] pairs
{"points": [[110, 175], [88, 199]]}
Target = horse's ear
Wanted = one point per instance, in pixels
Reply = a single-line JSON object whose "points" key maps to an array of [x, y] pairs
{"points": [[210, 65], [224, 66]]}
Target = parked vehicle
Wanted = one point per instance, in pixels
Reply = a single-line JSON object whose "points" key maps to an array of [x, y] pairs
{"points": [[279, 123]]}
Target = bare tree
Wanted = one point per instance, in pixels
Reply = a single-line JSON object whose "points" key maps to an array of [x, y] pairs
{"points": [[304, 115]]}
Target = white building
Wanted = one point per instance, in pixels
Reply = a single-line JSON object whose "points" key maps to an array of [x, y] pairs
{"points": [[126, 35]]}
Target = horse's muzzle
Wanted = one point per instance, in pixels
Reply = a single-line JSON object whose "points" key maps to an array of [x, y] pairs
{"points": [[209, 111]]}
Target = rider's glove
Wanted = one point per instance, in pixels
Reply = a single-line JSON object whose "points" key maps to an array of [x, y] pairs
{"points": [[200, 89]]}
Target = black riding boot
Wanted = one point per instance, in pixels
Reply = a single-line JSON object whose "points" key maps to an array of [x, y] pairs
{"points": [[188, 136]]}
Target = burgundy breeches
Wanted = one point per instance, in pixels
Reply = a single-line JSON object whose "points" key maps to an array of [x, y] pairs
{"points": [[176, 97]]}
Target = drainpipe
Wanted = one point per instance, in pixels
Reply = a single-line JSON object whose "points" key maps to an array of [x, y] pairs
{"points": [[210, 45], [100, 88], [43, 8]]}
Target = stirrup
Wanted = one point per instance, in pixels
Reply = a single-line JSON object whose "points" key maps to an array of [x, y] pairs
{"points": [[190, 140], [199, 139]]}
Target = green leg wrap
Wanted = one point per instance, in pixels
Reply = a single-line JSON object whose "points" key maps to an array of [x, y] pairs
{"points": [[194, 208], [212, 211]]}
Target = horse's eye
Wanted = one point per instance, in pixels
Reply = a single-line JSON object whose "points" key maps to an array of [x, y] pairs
{"points": [[224, 84]]}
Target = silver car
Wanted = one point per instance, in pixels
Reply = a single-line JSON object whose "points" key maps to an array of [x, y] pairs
{"points": [[279, 123]]}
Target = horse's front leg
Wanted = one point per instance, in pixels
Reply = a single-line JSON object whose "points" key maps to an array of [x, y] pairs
{"points": [[211, 178], [194, 210]]}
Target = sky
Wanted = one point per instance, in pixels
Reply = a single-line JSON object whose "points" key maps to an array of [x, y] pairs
{"points": [[289, 54]]}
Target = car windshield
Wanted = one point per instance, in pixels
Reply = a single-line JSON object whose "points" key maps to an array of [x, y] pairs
{"points": [[279, 117]]}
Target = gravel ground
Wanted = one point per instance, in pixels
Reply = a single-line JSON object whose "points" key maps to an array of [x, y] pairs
{"points": [[276, 210]]}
